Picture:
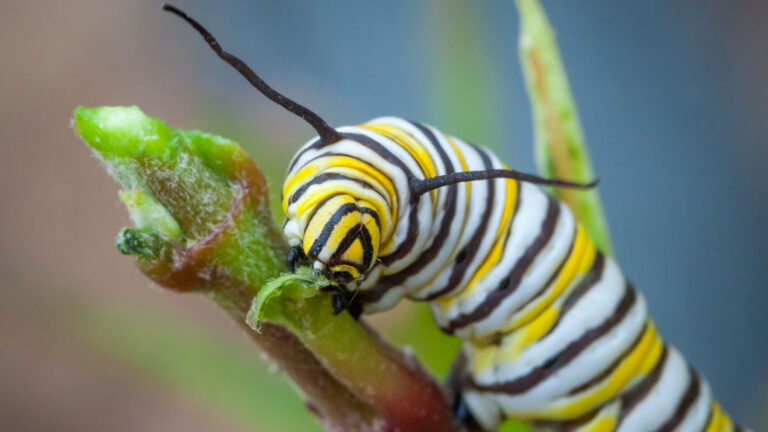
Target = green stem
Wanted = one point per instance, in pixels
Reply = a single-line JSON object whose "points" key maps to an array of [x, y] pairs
{"points": [[203, 224], [337, 408], [384, 377]]}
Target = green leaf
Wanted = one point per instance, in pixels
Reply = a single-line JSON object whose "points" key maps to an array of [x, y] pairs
{"points": [[186, 173], [292, 286], [561, 150], [124, 132]]}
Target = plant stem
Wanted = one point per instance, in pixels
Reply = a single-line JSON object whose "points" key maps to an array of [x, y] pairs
{"points": [[203, 224], [386, 378], [336, 408]]}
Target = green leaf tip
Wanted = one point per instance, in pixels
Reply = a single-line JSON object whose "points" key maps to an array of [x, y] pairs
{"points": [[124, 132], [294, 286], [146, 212], [177, 181]]}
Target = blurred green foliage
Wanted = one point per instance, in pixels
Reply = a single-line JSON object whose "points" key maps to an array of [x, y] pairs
{"points": [[415, 328], [462, 82], [195, 361]]}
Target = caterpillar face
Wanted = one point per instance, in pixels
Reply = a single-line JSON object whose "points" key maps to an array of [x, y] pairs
{"points": [[339, 210], [341, 237]]}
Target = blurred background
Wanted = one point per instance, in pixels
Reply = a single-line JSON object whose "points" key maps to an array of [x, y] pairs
{"points": [[672, 96]]}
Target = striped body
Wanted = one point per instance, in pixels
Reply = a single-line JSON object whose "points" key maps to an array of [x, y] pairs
{"points": [[552, 331]]}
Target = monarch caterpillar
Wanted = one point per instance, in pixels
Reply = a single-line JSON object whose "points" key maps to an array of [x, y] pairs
{"points": [[552, 331]]}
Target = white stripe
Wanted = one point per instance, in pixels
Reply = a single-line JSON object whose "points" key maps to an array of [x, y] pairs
{"points": [[660, 403]]}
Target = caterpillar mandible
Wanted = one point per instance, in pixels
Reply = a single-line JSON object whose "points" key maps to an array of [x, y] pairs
{"points": [[553, 333]]}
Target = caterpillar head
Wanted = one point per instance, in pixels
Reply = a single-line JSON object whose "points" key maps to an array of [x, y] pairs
{"points": [[341, 238]]}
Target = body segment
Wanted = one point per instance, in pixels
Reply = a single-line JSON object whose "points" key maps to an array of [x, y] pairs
{"points": [[553, 333]]}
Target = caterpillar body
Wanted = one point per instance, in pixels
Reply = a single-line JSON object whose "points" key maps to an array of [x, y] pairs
{"points": [[552, 331]]}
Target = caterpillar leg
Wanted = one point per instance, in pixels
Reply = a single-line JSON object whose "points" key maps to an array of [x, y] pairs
{"points": [[464, 420], [463, 417], [344, 300], [296, 257]]}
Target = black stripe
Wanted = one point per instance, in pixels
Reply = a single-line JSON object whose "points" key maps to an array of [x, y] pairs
{"points": [[386, 282], [498, 337], [568, 425], [364, 162], [509, 284], [410, 239], [320, 242], [561, 359], [380, 150], [639, 392], [365, 242], [554, 275], [467, 254], [315, 144], [590, 279], [690, 396], [345, 243], [374, 215], [318, 207], [323, 177], [612, 367]]}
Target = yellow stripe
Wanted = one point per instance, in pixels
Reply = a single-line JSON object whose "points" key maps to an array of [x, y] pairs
{"points": [[716, 423], [727, 424], [464, 167], [324, 191], [525, 336], [357, 176], [416, 150], [354, 253], [340, 230], [483, 358], [651, 360], [406, 141], [537, 321], [602, 423], [581, 259], [313, 168], [632, 366], [322, 164], [494, 256], [346, 268], [316, 225]]}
